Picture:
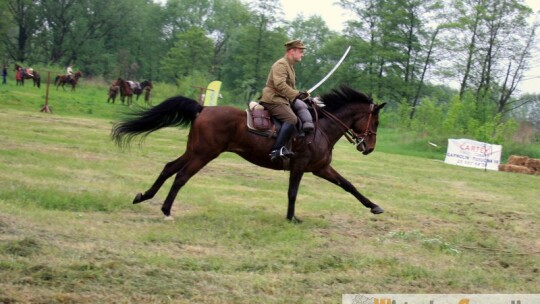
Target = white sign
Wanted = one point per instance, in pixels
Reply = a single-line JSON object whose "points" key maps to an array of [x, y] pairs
{"points": [[474, 154]]}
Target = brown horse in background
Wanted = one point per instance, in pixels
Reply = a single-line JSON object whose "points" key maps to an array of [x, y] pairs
{"points": [[28, 73], [219, 129], [147, 95], [126, 92], [67, 79], [113, 91]]}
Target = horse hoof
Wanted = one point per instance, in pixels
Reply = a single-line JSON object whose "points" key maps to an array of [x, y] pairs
{"points": [[138, 198], [377, 210], [295, 220], [168, 218]]}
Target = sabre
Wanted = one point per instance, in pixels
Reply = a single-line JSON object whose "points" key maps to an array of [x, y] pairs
{"points": [[329, 73]]}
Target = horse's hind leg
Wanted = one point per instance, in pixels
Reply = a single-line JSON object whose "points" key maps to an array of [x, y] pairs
{"points": [[169, 170], [193, 166], [334, 177]]}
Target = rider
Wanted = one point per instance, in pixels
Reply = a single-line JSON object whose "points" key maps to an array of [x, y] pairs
{"points": [[279, 96], [69, 71]]}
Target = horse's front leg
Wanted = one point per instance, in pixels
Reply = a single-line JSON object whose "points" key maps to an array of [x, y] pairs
{"points": [[334, 177], [294, 184]]}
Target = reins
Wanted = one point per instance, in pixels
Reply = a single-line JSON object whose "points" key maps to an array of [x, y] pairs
{"points": [[349, 133]]}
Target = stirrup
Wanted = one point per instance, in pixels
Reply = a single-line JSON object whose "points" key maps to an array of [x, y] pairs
{"points": [[282, 152]]}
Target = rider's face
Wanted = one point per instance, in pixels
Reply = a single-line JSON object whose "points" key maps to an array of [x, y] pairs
{"points": [[297, 54]]}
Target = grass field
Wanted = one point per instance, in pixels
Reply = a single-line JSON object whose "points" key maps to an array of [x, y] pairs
{"points": [[69, 233]]}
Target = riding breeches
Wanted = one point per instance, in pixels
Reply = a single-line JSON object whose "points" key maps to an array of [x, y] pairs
{"points": [[283, 112]]}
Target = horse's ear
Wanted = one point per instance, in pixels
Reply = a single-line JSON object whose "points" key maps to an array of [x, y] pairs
{"points": [[381, 106]]}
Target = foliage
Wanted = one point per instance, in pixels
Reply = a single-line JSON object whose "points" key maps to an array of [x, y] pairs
{"points": [[190, 55], [404, 52]]}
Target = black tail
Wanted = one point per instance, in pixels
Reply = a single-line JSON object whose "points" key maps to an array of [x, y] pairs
{"points": [[56, 80], [175, 111]]}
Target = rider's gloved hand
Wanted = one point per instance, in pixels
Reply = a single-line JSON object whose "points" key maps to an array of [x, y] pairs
{"points": [[302, 95]]}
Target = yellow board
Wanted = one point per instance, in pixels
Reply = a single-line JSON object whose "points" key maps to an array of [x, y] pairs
{"points": [[212, 93]]}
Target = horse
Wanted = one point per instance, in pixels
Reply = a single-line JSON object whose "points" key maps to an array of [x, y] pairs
{"points": [[147, 95], [219, 129], [138, 88], [113, 91], [27, 73], [64, 79], [126, 92]]}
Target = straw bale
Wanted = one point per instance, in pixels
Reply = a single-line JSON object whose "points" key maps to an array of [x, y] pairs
{"points": [[517, 160], [533, 164], [515, 169]]}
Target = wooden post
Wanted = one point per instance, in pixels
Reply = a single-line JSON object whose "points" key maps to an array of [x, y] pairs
{"points": [[201, 93], [46, 108]]}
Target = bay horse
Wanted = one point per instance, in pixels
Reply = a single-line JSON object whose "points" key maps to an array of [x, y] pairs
{"points": [[126, 92], [113, 91], [28, 73], [62, 80], [219, 129]]}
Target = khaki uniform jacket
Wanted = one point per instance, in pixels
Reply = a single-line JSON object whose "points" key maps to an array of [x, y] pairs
{"points": [[280, 85]]}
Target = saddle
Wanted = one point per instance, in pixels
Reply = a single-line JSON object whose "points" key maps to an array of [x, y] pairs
{"points": [[260, 122]]}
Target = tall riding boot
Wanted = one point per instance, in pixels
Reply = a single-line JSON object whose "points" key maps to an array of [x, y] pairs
{"points": [[279, 150], [302, 111]]}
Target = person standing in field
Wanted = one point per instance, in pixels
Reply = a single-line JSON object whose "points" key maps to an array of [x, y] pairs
{"points": [[18, 76], [4, 75]]}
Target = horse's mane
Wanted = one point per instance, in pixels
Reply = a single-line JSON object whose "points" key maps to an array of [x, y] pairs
{"points": [[342, 96]]}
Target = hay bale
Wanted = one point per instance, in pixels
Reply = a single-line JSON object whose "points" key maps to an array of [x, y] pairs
{"points": [[533, 164], [515, 169], [517, 160]]}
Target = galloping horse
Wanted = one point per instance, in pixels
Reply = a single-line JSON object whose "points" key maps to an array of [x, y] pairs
{"points": [[125, 91], [224, 129], [63, 79], [28, 73]]}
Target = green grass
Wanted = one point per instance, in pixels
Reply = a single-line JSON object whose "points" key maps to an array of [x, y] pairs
{"points": [[69, 233]]}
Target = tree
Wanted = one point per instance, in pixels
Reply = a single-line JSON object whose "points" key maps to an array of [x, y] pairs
{"points": [[400, 45], [26, 17], [496, 40], [252, 50], [191, 53], [226, 17]]}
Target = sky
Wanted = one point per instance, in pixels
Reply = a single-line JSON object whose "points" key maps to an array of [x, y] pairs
{"points": [[334, 16]]}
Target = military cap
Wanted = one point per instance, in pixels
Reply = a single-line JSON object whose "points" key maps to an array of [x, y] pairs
{"points": [[295, 44]]}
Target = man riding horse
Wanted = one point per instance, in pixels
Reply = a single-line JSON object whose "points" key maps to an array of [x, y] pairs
{"points": [[280, 97], [69, 72]]}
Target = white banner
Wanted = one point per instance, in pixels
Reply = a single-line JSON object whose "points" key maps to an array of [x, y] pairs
{"points": [[474, 154], [440, 298]]}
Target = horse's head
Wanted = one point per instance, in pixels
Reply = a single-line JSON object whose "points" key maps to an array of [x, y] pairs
{"points": [[357, 116], [78, 74], [365, 128]]}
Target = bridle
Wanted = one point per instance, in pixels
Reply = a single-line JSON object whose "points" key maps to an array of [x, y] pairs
{"points": [[353, 137]]}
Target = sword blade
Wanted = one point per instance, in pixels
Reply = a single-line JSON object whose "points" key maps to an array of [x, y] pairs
{"points": [[330, 73]]}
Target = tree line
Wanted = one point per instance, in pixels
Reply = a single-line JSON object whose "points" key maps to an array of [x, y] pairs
{"points": [[411, 53]]}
